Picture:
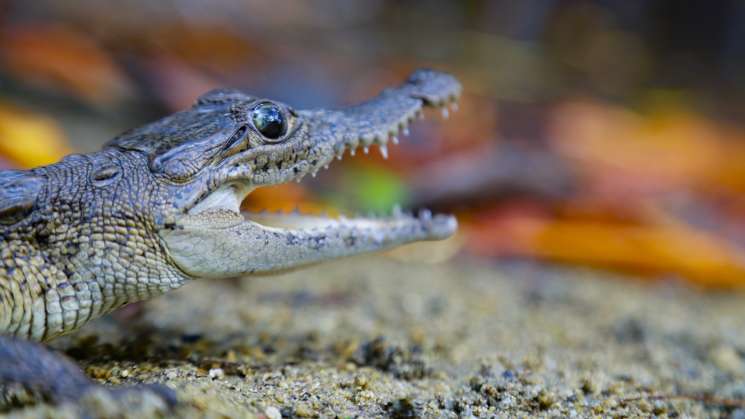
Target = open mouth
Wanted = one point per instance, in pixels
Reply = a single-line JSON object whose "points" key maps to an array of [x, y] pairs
{"points": [[214, 239], [230, 198], [228, 201]]}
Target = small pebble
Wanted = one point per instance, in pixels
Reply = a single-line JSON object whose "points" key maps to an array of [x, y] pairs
{"points": [[644, 406], [303, 411], [216, 373], [545, 400], [360, 381], [589, 386], [727, 359], [659, 408], [272, 412]]}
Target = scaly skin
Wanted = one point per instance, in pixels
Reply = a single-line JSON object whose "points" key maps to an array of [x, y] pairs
{"points": [[159, 205]]}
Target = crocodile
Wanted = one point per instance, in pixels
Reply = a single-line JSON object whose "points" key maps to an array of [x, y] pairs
{"points": [[160, 206]]}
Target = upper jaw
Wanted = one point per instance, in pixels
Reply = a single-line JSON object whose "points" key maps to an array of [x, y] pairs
{"points": [[322, 135], [378, 121]]}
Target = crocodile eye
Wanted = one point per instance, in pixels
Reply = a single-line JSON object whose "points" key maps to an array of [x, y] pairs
{"points": [[269, 120]]}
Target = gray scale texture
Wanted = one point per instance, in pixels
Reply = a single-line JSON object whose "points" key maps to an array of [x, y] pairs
{"points": [[92, 233]]}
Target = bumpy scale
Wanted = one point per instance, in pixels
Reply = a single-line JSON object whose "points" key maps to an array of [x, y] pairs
{"points": [[160, 206]]}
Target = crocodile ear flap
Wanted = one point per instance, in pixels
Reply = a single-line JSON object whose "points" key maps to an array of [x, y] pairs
{"points": [[177, 165], [18, 193], [180, 164]]}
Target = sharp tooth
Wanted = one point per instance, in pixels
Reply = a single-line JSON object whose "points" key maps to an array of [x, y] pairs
{"points": [[366, 149], [338, 157], [313, 174], [326, 167], [384, 151], [394, 140], [352, 152], [445, 113]]}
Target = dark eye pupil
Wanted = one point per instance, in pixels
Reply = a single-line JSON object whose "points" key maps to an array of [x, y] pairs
{"points": [[270, 122]]}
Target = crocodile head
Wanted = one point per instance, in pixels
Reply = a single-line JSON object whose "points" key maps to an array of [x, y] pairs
{"points": [[160, 204], [213, 155]]}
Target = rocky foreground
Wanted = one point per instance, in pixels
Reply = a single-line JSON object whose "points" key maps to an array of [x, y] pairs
{"points": [[377, 337]]}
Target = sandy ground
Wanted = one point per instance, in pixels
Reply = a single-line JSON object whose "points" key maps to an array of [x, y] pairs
{"points": [[372, 337]]}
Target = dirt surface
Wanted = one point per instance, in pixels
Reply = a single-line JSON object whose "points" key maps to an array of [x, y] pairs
{"points": [[375, 337]]}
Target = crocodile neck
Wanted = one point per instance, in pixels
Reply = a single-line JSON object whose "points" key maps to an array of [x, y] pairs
{"points": [[67, 263]]}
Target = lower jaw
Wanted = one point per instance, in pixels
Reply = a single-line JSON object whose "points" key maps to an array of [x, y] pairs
{"points": [[219, 244]]}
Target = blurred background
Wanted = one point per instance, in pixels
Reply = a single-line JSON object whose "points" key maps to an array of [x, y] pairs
{"points": [[602, 133]]}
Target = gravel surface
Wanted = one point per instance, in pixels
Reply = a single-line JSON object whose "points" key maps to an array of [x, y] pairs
{"points": [[372, 337]]}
